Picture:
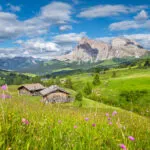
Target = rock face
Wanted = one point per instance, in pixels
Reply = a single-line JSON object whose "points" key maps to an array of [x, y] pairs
{"points": [[94, 50]]}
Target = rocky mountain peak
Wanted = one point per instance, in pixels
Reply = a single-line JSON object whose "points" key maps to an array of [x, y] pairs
{"points": [[121, 41], [94, 50]]}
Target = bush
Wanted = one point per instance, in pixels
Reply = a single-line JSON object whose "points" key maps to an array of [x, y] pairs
{"points": [[88, 89], [114, 74], [96, 80], [68, 83], [79, 96], [132, 96]]}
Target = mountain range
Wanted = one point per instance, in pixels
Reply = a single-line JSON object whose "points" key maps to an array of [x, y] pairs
{"points": [[94, 50], [17, 63], [88, 53]]}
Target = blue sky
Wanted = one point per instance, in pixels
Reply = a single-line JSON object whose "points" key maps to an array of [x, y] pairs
{"points": [[50, 28]]}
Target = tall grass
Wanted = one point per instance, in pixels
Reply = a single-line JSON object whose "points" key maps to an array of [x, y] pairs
{"points": [[66, 127]]}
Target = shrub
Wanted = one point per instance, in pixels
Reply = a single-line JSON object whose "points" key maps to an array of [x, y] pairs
{"points": [[79, 96], [114, 74], [96, 80], [68, 83], [132, 96], [88, 89]]}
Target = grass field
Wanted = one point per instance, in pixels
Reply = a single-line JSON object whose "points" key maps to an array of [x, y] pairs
{"points": [[110, 88], [27, 124]]}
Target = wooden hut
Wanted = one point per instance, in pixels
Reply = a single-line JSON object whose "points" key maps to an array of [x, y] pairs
{"points": [[55, 94], [31, 89]]}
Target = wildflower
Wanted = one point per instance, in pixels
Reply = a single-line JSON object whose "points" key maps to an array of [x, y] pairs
{"points": [[25, 121], [107, 114], [75, 127], [110, 123], [93, 124], [3, 96], [109, 118], [114, 113], [4, 87], [131, 138], [86, 119], [122, 146]]}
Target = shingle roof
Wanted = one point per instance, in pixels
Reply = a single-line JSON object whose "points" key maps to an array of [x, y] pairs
{"points": [[52, 89], [33, 87]]}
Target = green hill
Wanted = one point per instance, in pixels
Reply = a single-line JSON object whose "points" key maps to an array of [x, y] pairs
{"points": [[128, 89]]}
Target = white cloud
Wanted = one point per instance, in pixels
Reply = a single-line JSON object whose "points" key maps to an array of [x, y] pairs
{"points": [[52, 14], [139, 21], [65, 27], [10, 52], [69, 38], [126, 25], [68, 41], [108, 10], [58, 12], [37, 48], [38, 45], [141, 16], [13, 8], [40, 48], [10, 27]]}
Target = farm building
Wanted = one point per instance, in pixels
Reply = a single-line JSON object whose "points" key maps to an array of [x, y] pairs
{"points": [[55, 94], [31, 89]]}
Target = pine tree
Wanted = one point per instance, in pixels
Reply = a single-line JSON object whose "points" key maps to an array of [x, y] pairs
{"points": [[57, 81], [88, 89], [68, 83], [79, 96], [113, 74], [96, 80]]}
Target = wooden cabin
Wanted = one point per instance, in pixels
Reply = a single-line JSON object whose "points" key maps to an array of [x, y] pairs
{"points": [[55, 94], [31, 89]]}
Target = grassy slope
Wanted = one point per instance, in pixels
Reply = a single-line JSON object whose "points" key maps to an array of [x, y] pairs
{"points": [[125, 80], [63, 126]]}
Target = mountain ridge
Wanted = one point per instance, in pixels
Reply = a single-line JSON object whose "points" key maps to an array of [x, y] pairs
{"points": [[95, 50]]}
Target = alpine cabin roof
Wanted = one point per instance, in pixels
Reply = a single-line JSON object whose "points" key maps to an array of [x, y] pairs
{"points": [[33, 87], [52, 89]]}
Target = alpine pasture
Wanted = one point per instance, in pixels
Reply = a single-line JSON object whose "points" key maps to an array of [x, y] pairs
{"points": [[26, 123]]}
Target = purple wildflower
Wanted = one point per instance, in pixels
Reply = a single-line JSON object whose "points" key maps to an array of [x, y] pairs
{"points": [[110, 123], [114, 113], [107, 114], [4, 87], [3, 96], [109, 118], [94, 125], [122, 146], [25, 121], [86, 119], [75, 126], [131, 138]]}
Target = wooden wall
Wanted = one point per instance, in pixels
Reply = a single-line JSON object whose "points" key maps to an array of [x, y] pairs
{"points": [[57, 97], [24, 91]]}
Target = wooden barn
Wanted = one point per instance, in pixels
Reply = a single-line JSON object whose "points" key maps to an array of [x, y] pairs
{"points": [[31, 89], [55, 94]]}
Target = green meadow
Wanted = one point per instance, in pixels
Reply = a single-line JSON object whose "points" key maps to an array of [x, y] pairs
{"points": [[67, 126], [129, 89], [115, 114]]}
